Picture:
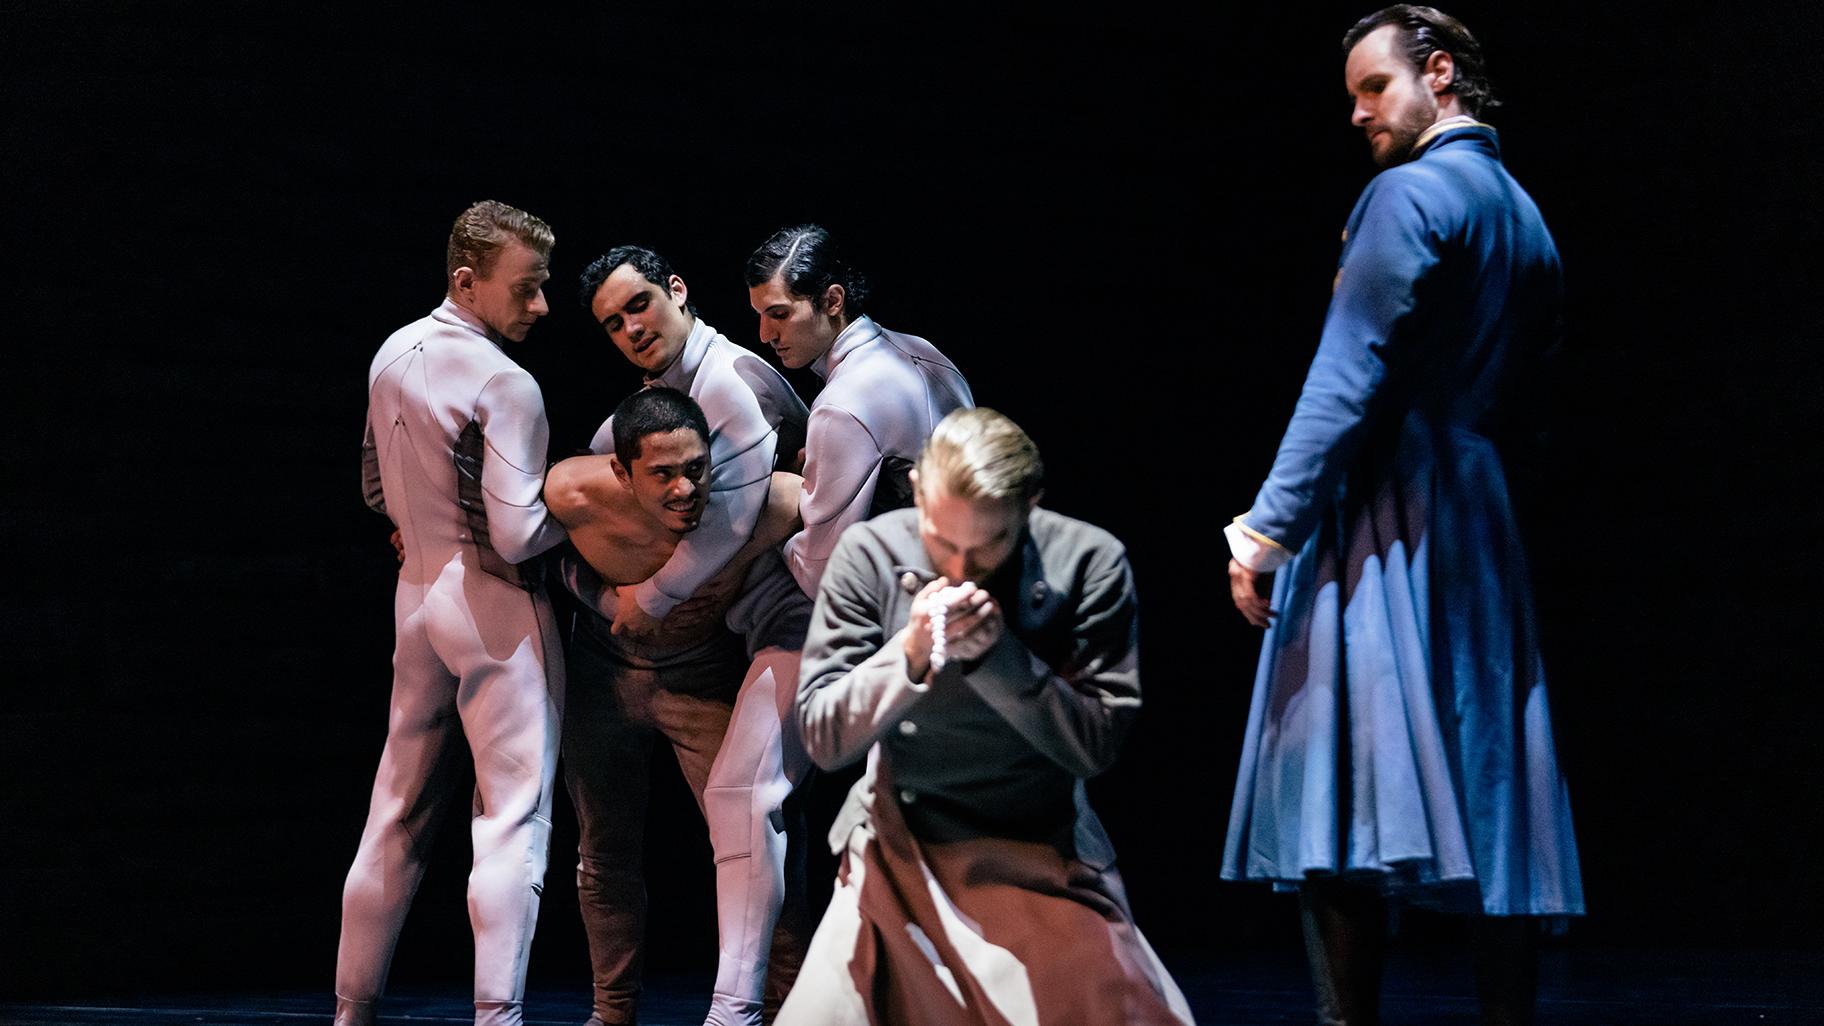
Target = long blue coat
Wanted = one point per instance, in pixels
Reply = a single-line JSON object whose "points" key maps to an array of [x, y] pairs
{"points": [[1399, 726]]}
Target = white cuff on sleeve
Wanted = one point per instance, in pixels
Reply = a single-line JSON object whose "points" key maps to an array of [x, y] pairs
{"points": [[1254, 550]]}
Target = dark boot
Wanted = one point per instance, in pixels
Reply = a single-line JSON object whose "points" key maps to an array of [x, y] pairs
{"points": [[1346, 941], [797, 920], [1507, 968]]}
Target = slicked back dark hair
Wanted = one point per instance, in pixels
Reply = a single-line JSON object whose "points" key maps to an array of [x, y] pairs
{"points": [[654, 411], [807, 260], [1423, 32], [652, 267]]}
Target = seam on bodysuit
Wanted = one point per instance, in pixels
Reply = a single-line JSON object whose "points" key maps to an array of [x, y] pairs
{"points": [[471, 497], [849, 499], [476, 406], [397, 436], [733, 456]]}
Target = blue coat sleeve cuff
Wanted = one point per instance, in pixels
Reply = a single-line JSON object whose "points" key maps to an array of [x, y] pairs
{"points": [[1254, 550]]}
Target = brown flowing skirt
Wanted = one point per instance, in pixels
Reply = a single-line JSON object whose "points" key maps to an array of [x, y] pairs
{"points": [[986, 931]]}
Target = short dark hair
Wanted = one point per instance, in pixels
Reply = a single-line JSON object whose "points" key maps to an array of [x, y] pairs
{"points": [[1423, 32], [653, 411], [805, 257], [653, 267]]}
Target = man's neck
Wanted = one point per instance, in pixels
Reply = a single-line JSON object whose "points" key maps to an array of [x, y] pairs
{"points": [[1439, 127], [690, 328], [472, 319], [821, 365], [645, 543]]}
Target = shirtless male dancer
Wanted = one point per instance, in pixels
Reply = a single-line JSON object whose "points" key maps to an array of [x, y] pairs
{"points": [[627, 522], [688, 680]]}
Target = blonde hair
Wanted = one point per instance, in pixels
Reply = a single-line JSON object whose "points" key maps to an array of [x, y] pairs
{"points": [[980, 454], [481, 231]]}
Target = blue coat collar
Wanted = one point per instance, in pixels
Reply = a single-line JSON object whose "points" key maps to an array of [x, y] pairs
{"points": [[1458, 130]]}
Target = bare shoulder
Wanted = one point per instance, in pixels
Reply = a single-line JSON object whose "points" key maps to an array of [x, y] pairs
{"points": [[584, 490]]}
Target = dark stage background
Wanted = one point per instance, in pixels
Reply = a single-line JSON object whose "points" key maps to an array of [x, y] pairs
{"points": [[1120, 223]]}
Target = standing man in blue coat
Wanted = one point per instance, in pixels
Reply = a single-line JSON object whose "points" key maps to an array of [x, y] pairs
{"points": [[1399, 743]]}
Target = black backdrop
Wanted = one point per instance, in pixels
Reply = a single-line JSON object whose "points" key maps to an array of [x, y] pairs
{"points": [[1120, 223]]}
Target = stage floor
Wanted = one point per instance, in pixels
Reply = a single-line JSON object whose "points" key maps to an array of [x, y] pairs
{"points": [[1577, 988]]}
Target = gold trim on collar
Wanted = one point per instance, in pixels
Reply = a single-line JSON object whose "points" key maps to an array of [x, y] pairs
{"points": [[1447, 125]]}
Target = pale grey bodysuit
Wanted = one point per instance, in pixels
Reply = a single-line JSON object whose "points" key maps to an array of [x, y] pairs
{"points": [[455, 456]]}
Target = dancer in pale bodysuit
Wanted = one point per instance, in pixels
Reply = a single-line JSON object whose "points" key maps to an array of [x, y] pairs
{"points": [[454, 455]]}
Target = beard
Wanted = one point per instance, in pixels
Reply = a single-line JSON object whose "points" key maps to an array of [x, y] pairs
{"points": [[1404, 131]]}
